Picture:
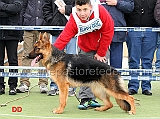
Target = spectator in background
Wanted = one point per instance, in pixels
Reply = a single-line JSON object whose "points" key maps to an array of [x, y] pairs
{"points": [[157, 19], [157, 63], [141, 44], [117, 8], [31, 15], [58, 16], [9, 15]]}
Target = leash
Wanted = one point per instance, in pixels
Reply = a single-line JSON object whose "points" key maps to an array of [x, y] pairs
{"points": [[77, 98], [6, 103]]}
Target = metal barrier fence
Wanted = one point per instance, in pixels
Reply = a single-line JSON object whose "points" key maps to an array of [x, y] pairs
{"points": [[40, 72], [25, 72]]}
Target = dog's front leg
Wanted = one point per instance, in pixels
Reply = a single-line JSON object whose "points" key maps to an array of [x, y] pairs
{"points": [[63, 87]]}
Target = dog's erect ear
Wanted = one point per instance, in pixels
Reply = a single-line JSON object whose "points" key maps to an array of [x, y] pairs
{"points": [[40, 35], [46, 36]]}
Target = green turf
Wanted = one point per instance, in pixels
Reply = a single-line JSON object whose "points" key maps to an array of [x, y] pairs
{"points": [[40, 106]]}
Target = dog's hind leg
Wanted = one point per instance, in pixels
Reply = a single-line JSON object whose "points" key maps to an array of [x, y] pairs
{"points": [[100, 93], [107, 105], [114, 86]]}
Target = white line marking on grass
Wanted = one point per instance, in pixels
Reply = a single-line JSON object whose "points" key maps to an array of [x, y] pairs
{"points": [[14, 115], [41, 117]]}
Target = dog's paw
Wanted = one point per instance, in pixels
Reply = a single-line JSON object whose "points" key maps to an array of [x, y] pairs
{"points": [[98, 109], [56, 111], [103, 108], [131, 112]]}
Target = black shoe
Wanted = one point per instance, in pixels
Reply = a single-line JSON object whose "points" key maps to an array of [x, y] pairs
{"points": [[12, 91], [147, 92], [2, 91], [132, 92]]}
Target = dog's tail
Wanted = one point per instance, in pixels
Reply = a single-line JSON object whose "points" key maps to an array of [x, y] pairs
{"points": [[123, 104]]}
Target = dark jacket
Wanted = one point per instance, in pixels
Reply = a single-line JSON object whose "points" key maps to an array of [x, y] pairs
{"points": [[32, 13], [53, 17], [117, 13], [142, 15], [10, 15]]}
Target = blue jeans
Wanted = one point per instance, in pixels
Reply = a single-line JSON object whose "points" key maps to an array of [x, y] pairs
{"points": [[116, 54], [71, 48], [141, 47], [157, 63]]}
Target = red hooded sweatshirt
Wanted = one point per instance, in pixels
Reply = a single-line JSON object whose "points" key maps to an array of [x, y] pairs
{"points": [[98, 40]]}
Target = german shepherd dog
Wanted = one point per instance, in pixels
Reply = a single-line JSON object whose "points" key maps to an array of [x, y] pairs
{"points": [[79, 70]]}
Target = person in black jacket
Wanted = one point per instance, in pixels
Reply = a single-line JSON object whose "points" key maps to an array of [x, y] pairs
{"points": [[9, 15], [31, 15], [141, 44], [57, 16]]}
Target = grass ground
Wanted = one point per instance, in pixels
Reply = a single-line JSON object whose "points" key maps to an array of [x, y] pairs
{"points": [[38, 105]]}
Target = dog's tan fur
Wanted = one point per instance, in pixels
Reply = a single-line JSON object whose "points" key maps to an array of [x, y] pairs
{"points": [[108, 84]]}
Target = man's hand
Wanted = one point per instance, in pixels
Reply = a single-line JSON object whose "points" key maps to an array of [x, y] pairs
{"points": [[62, 9], [102, 59]]}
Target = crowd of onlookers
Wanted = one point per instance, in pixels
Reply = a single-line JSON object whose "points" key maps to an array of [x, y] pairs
{"points": [[102, 43]]}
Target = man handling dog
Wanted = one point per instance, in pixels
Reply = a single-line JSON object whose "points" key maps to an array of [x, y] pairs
{"points": [[95, 28]]}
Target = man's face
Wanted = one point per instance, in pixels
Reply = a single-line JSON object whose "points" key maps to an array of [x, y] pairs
{"points": [[84, 11]]}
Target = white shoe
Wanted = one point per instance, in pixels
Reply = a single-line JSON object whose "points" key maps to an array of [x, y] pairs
{"points": [[71, 92], [22, 88], [53, 92], [43, 88]]}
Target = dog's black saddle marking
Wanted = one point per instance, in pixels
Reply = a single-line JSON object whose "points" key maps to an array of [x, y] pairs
{"points": [[85, 69]]}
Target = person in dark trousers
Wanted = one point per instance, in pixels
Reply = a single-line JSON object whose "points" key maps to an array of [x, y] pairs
{"points": [[31, 15], [9, 15], [58, 16], [141, 44], [117, 8], [157, 18]]}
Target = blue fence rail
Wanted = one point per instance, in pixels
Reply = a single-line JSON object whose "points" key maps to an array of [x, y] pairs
{"points": [[152, 29], [40, 72]]}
